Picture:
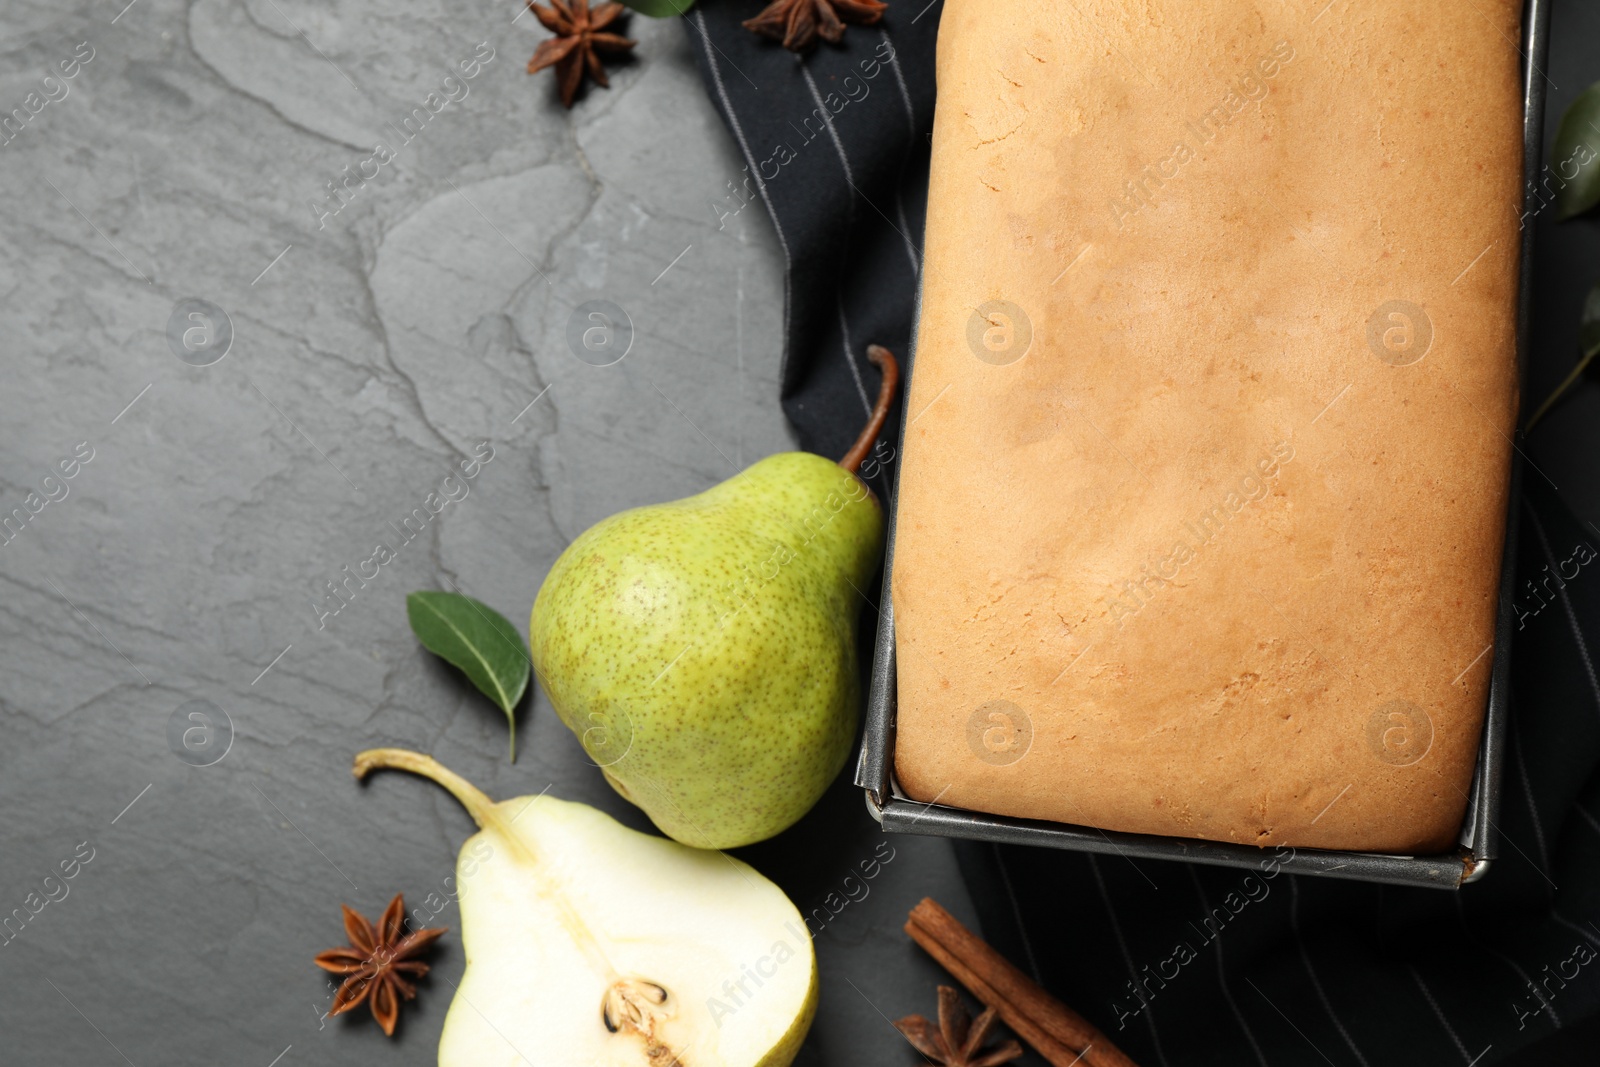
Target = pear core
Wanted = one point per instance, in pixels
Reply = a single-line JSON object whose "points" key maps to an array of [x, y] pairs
{"points": [[587, 942]]}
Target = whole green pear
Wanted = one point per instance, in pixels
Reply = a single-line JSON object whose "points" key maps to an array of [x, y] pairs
{"points": [[704, 650]]}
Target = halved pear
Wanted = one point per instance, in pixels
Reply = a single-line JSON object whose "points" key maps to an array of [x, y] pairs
{"points": [[590, 943]]}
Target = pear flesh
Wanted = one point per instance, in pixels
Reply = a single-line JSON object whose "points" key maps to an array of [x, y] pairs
{"points": [[590, 943], [704, 650]]}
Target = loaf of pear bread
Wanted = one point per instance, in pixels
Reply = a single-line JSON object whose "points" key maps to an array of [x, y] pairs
{"points": [[1208, 436]]}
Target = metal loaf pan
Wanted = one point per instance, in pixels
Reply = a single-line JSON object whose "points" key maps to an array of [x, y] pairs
{"points": [[1480, 836]]}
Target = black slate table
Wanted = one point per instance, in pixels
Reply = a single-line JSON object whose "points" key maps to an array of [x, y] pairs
{"points": [[365, 322]]}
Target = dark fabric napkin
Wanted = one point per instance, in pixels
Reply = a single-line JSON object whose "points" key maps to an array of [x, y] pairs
{"points": [[1291, 970]]}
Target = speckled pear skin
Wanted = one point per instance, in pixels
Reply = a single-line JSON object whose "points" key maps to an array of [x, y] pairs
{"points": [[703, 650]]}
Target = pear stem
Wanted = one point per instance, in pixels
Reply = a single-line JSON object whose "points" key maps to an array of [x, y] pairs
{"points": [[887, 366], [487, 815], [477, 803]]}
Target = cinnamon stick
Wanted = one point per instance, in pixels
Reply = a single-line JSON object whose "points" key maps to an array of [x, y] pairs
{"points": [[1055, 1031]]}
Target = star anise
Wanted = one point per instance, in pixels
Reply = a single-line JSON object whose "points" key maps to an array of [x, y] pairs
{"points": [[958, 1041], [577, 43], [374, 962], [798, 23]]}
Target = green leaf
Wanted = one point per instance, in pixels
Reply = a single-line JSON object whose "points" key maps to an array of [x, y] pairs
{"points": [[1575, 157], [660, 9], [474, 637]]}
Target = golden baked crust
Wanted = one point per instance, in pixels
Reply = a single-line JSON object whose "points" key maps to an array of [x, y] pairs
{"points": [[1213, 552]]}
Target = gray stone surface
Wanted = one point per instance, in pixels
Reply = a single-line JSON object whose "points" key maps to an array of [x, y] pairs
{"points": [[373, 350]]}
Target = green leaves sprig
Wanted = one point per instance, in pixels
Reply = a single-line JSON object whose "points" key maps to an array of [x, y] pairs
{"points": [[1575, 159], [1573, 155], [1589, 338]]}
